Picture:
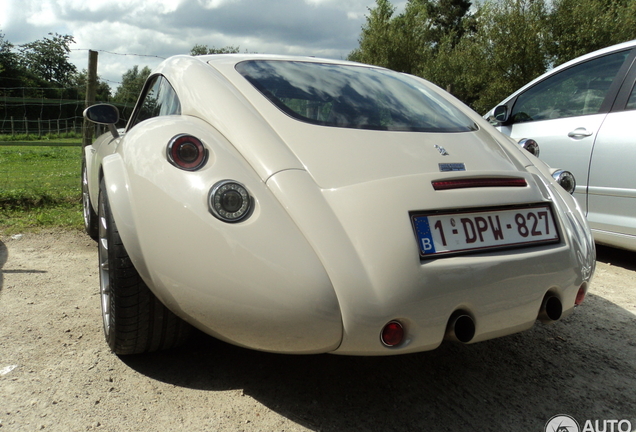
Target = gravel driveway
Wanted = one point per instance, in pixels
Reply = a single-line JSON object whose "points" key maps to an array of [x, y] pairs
{"points": [[56, 372]]}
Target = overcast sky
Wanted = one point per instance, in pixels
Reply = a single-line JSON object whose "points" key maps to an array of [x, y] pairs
{"points": [[161, 28]]}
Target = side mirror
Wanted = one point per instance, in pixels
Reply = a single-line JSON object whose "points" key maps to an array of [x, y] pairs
{"points": [[105, 114], [501, 114]]}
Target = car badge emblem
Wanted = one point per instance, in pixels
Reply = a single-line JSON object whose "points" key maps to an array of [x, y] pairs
{"points": [[441, 150], [445, 167]]}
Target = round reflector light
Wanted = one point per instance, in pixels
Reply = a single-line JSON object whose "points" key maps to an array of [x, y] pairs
{"points": [[580, 296], [530, 145], [229, 201], [565, 179], [392, 334], [187, 152]]}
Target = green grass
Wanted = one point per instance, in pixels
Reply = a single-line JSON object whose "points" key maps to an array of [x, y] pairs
{"points": [[70, 138], [40, 187]]}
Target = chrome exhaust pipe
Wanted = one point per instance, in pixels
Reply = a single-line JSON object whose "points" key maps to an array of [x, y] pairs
{"points": [[551, 309], [461, 328]]}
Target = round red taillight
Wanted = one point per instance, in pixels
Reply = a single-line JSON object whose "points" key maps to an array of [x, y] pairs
{"points": [[580, 296], [187, 152], [392, 334]]}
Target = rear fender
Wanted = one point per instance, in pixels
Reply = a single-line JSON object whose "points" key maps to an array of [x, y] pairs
{"points": [[117, 187], [92, 176]]}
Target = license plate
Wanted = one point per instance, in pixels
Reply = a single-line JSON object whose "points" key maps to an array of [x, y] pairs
{"points": [[440, 234]]}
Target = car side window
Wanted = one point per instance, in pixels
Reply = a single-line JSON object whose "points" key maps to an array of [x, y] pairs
{"points": [[631, 103], [576, 91], [160, 99]]}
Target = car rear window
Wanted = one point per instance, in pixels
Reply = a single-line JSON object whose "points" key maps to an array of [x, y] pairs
{"points": [[351, 96]]}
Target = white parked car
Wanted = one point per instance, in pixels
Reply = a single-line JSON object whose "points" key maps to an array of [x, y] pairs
{"points": [[581, 115], [299, 205]]}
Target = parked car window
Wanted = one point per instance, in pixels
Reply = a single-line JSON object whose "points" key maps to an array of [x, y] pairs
{"points": [[631, 103], [160, 99], [353, 97], [576, 91]]}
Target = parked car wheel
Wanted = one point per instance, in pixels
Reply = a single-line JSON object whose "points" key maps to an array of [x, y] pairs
{"points": [[90, 217], [135, 321]]}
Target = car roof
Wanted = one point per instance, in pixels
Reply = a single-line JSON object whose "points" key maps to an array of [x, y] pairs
{"points": [[225, 63], [215, 59]]}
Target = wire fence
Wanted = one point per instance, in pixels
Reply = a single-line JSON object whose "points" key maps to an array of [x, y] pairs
{"points": [[40, 147], [34, 116], [39, 116]]}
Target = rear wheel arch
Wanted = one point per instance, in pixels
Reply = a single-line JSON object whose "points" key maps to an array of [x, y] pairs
{"points": [[114, 176], [134, 319]]}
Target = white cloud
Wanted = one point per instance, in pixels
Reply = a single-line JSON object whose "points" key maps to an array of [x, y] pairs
{"points": [[213, 4], [41, 14], [326, 28], [5, 12], [126, 6]]}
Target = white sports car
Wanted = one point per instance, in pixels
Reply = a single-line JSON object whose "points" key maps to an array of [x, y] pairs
{"points": [[299, 205]]}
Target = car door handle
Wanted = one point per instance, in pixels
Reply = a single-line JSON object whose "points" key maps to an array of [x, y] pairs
{"points": [[580, 133]]}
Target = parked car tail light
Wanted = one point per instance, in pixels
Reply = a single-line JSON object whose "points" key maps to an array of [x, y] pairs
{"points": [[187, 152], [479, 182], [580, 296], [530, 145], [565, 179], [392, 334], [229, 201]]}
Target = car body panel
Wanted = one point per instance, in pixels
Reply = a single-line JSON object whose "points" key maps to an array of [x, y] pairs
{"points": [[214, 90], [379, 276], [612, 198], [596, 148], [214, 287], [410, 152], [571, 153], [328, 255]]}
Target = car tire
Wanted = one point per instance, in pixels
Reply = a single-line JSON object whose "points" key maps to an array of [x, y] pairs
{"points": [[90, 217], [134, 319]]}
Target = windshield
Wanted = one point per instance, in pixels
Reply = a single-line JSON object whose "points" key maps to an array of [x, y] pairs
{"points": [[353, 97]]}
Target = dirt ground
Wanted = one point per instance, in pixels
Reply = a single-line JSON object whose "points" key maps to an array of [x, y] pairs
{"points": [[56, 372]]}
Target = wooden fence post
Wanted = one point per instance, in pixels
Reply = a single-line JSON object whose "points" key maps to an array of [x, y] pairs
{"points": [[91, 92]]}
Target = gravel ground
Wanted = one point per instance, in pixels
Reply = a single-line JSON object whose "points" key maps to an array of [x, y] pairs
{"points": [[56, 372]]}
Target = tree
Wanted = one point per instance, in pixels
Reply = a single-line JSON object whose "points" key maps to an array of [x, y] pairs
{"points": [[11, 74], [376, 40], [6, 56], [15, 80], [132, 82], [408, 41], [411, 32], [204, 50], [507, 50], [103, 89], [48, 59], [447, 19], [482, 54], [582, 26]]}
